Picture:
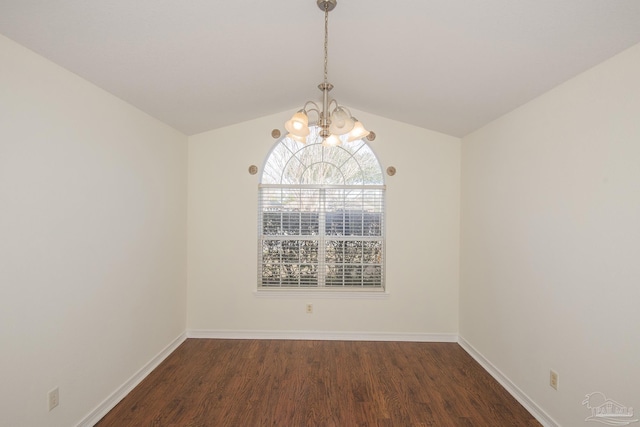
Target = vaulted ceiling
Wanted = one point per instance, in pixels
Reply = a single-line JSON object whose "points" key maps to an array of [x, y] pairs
{"points": [[447, 65]]}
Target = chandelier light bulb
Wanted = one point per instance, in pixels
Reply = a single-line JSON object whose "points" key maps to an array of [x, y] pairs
{"points": [[331, 141]]}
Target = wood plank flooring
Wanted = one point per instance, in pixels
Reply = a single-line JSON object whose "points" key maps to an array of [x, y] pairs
{"points": [[252, 383]]}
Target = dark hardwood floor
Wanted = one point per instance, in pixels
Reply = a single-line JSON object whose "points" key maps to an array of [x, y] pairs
{"points": [[251, 383]]}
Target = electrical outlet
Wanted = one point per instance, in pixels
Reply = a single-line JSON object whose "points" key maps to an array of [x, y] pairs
{"points": [[309, 308], [54, 398], [553, 379]]}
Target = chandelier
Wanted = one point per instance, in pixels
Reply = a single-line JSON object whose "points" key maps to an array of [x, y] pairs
{"points": [[333, 119]]}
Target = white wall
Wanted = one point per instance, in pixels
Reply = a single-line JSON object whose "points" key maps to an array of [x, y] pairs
{"points": [[422, 237], [550, 275], [92, 240]]}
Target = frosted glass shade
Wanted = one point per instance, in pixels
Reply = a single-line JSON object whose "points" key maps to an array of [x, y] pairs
{"points": [[298, 125], [358, 132], [341, 122]]}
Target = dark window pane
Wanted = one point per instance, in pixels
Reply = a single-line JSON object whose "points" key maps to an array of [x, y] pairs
{"points": [[372, 275], [353, 275], [334, 251], [372, 252], [309, 251], [372, 224], [310, 224], [335, 275]]}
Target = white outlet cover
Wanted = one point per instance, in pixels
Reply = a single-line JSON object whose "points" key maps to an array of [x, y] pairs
{"points": [[54, 398]]}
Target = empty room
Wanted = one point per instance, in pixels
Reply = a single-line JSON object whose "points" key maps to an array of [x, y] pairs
{"points": [[319, 213]]}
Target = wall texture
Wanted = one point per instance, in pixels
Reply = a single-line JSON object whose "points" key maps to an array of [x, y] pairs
{"points": [[422, 238], [551, 238], [92, 240]]}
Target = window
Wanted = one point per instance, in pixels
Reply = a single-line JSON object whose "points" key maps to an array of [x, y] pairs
{"points": [[321, 216]]}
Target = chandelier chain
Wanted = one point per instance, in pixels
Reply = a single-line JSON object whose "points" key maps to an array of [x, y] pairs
{"points": [[326, 39]]}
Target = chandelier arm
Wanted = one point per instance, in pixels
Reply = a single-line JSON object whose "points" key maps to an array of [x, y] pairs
{"points": [[333, 105], [314, 107], [315, 110]]}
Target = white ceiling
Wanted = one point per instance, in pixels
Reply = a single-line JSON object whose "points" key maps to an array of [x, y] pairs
{"points": [[447, 65]]}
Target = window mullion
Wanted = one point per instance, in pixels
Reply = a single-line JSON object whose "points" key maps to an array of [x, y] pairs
{"points": [[322, 267]]}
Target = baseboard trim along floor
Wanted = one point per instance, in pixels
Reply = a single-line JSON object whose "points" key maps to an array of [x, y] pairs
{"points": [[321, 335], [505, 382], [110, 402]]}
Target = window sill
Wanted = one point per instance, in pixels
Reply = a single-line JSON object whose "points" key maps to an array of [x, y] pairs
{"points": [[322, 293]]}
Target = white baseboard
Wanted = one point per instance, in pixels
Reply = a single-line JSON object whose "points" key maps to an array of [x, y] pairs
{"points": [[102, 409], [322, 335], [513, 389]]}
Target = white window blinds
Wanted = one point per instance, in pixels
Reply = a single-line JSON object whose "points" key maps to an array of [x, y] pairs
{"points": [[321, 236]]}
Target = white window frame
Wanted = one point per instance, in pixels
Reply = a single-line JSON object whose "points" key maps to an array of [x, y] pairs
{"points": [[364, 268]]}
